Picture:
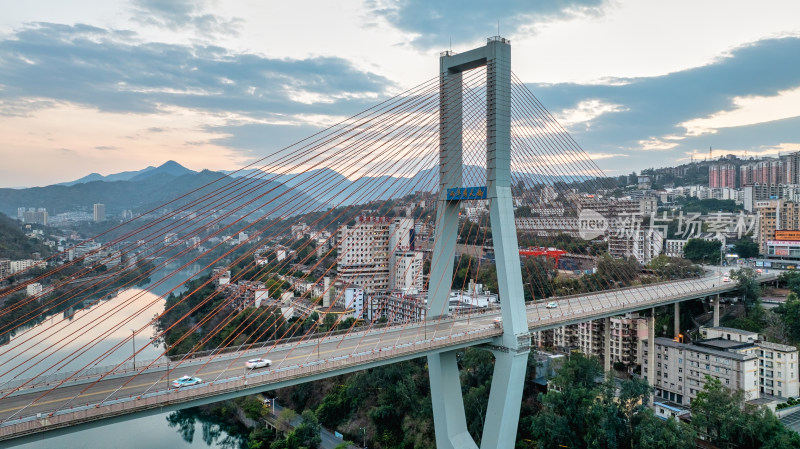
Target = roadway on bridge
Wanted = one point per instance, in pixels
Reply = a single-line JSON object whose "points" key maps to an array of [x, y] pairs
{"points": [[569, 310]]}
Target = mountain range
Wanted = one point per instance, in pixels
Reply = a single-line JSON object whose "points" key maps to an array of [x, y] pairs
{"points": [[155, 186], [170, 167], [144, 189]]}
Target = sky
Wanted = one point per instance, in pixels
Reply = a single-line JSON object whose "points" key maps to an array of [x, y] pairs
{"points": [[109, 86]]}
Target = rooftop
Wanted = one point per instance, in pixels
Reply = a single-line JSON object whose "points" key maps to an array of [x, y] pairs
{"points": [[705, 350], [723, 344], [776, 346]]}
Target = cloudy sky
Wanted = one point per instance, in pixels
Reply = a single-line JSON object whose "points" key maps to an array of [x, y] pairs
{"points": [[108, 86]]}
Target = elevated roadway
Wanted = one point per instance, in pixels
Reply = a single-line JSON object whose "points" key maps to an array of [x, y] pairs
{"points": [[44, 407]]}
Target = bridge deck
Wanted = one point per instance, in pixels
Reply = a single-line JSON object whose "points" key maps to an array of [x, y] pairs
{"points": [[225, 376]]}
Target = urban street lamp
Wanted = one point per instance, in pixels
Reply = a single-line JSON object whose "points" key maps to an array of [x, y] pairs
{"points": [[133, 342]]}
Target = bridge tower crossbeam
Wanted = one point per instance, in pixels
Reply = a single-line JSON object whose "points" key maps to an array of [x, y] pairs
{"points": [[512, 348]]}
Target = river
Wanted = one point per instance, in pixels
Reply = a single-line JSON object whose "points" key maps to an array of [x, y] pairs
{"points": [[73, 347]]}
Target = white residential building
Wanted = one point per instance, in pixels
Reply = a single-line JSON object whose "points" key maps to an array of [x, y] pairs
{"points": [[363, 253], [681, 370], [642, 244], [34, 289], [407, 271]]}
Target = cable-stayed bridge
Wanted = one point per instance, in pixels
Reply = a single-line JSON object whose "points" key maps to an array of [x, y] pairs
{"points": [[473, 141]]}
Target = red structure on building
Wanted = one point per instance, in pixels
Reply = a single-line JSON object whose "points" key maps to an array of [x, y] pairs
{"points": [[550, 253]]}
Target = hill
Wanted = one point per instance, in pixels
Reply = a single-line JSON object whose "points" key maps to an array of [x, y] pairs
{"points": [[140, 194], [169, 167], [14, 244]]}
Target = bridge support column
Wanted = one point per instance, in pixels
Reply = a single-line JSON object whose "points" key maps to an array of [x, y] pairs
{"points": [[505, 399], [449, 420], [606, 344], [651, 348], [676, 325], [716, 311], [512, 348]]}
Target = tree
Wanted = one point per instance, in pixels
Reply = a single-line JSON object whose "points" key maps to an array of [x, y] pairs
{"points": [[285, 418], [749, 287], [746, 248], [674, 268], [563, 420], [789, 312], [791, 279], [703, 251], [723, 416]]}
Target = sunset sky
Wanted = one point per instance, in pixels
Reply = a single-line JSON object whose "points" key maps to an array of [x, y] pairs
{"points": [[108, 86]]}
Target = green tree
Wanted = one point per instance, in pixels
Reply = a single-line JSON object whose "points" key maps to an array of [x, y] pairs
{"points": [[746, 248], [789, 312], [749, 287], [791, 279], [307, 432], [703, 251], [653, 433], [563, 420], [667, 268], [726, 420]]}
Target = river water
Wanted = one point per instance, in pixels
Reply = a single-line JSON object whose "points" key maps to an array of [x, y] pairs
{"points": [[70, 338]]}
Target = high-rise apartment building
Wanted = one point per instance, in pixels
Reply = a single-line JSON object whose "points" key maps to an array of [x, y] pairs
{"points": [[775, 215], [363, 253], [722, 175], [378, 253], [99, 212], [37, 216], [791, 168]]}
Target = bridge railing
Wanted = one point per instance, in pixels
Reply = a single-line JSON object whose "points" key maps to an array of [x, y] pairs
{"points": [[158, 398], [163, 362]]}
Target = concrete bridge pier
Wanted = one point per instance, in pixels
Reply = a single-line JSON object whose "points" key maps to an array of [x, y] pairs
{"points": [[716, 311], [606, 344], [676, 325], [448, 403], [512, 348]]}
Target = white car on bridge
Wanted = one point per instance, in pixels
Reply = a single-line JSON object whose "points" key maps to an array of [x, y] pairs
{"points": [[258, 363]]}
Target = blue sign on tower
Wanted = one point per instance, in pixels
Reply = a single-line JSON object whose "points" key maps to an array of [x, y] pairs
{"points": [[466, 193]]}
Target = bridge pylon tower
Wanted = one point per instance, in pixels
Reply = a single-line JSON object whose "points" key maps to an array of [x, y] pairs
{"points": [[512, 348]]}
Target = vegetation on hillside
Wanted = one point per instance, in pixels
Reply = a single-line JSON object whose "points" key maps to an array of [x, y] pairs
{"points": [[14, 244]]}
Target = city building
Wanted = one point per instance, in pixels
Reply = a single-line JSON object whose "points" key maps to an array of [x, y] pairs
{"points": [[407, 271], [35, 216], [33, 289], [642, 244], [378, 253], [681, 370], [774, 215], [674, 247], [778, 364], [5, 268], [722, 175], [363, 253], [99, 213]]}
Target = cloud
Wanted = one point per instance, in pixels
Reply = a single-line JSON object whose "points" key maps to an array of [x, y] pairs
{"points": [[747, 110], [182, 14], [434, 24], [586, 111], [740, 101], [112, 71]]}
